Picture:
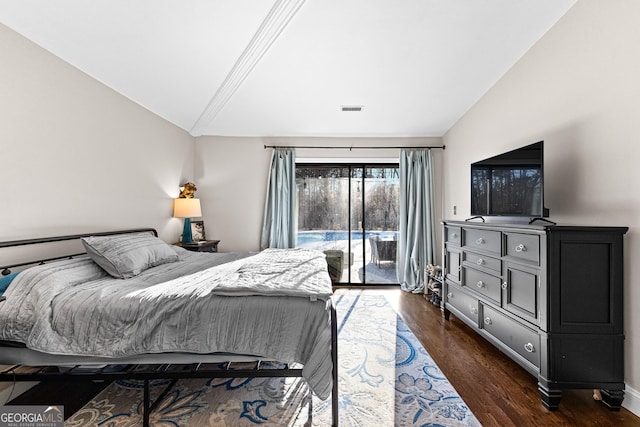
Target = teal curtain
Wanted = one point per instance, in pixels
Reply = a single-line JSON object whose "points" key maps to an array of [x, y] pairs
{"points": [[416, 238], [279, 225]]}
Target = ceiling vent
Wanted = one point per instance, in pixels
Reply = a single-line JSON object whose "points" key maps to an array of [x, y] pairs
{"points": [[352, 107]]}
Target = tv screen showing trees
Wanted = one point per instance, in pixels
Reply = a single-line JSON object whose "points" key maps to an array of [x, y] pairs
{"points": [[510, 184]]}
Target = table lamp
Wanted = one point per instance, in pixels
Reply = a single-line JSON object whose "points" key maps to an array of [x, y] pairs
{"points": [[187, 209]]}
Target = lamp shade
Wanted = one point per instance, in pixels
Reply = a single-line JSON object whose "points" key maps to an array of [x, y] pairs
{"points": [[186, 208]]}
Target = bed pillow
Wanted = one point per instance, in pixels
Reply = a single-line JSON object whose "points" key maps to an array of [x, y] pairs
{"points": [[5, 281], [127, 255]]}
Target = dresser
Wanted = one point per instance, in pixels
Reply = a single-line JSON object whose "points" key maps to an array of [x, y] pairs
{"points": [[549, 296]]}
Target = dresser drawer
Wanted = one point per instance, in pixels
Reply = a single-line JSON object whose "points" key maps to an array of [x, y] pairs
{"points": [[486, 284], [514, 335], [523, 246], [484, 240], [483, 261], [463, 302], [453, 235]]}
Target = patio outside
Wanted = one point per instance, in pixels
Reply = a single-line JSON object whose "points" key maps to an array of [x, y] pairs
{"points": [[363, 266], [335, 199]]}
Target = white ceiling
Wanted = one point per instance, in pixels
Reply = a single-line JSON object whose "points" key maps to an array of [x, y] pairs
{"points": [[285, 67]]}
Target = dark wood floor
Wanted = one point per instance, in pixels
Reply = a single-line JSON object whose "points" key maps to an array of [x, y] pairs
{"points": [[497, 390]]}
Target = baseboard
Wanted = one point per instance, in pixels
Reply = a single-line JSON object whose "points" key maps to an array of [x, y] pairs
{"points": [[631, 400], [12, 392]]}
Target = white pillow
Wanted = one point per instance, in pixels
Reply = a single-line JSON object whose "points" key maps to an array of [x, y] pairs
{"points": [[127, 255]]}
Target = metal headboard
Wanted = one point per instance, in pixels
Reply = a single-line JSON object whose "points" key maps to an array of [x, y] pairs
{"points": [[6, 269]]}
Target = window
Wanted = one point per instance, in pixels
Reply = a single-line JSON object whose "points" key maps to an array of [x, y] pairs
{"points": [[351, 213]]}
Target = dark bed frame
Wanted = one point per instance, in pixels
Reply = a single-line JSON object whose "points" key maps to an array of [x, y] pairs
{"points": [[145, 372]]}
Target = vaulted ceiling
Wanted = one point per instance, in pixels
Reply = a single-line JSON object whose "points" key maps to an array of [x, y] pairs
{"points": [[287, 67]]}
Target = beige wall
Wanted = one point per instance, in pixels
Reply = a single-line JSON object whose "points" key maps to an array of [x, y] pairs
{"points": [[78, 157], [231, 175], [578, 89]]}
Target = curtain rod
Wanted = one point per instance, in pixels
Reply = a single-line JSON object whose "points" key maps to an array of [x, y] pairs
{"points": [[351, 148]]}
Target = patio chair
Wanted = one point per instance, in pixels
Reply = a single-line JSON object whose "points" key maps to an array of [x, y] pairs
{"points": [[386, 250], [374, 249]]}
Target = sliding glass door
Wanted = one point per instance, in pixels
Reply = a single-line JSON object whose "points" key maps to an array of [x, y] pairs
{"points": [[351, 213]]}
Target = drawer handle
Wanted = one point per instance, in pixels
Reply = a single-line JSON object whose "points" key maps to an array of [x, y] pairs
{"points": [[487, 320], [480, 241], [454, 235], [480, 261], [480, 284], [474, 310], [504, 285], [521, 248], [529, 347], [449, 295]]}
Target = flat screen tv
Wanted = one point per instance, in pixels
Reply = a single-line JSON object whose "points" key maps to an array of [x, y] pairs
{"points": [[510, 184]]}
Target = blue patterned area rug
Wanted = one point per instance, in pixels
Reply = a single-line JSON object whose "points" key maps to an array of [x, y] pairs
{"points": [[386, 378]]}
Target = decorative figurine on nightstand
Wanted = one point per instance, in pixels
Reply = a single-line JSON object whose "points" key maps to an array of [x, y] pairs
{"points": [[188, 190]]}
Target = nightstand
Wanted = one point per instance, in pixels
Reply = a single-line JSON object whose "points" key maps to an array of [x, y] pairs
{"points": [[201, 246]]}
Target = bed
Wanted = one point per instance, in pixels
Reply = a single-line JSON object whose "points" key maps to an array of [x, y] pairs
{"points": [[153, 310]]}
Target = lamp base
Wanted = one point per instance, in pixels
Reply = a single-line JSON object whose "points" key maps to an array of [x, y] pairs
{"points": [[187, 237]]}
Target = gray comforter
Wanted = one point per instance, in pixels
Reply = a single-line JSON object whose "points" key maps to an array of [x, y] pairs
{"points": [[73, 307]]}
